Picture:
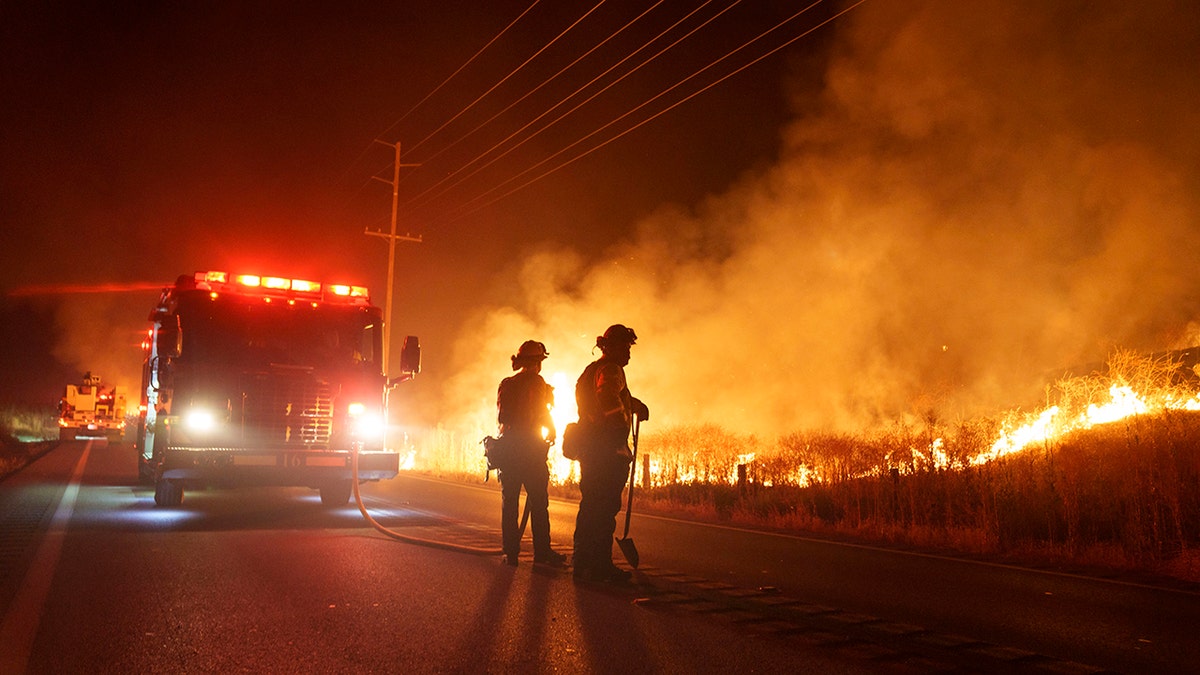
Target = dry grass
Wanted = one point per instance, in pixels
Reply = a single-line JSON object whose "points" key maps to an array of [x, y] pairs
{"points": [[20, 428], [28, 423], [1121, 496]]}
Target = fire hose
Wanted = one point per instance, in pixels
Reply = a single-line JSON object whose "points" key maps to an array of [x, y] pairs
{"points": [[408, 539]]}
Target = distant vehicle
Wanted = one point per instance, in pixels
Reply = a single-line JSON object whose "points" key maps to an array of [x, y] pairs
{"points": [[265, 381], [91, 409]]}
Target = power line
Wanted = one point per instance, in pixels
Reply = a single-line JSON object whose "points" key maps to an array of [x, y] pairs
{"points": [[473, 204], [538, 87], [572, 95], [460, 68], [468, 62], [506, 77], [573, 160], [661, 112]]}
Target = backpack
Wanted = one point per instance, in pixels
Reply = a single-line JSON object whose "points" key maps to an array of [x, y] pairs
{"points": [[497, 452], [578, 438]]}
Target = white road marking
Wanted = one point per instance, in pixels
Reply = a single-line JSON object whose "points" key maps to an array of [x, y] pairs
{"points": [[21, 623]]}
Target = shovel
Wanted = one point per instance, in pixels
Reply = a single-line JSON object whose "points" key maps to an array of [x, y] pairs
{"points": [[628, 549], [524, 519]]}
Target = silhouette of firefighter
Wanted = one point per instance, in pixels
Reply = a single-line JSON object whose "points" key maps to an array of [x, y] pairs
{"points": [[523, 403], [606, 411]]}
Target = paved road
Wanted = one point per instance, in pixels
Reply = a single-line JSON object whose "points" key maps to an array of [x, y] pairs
{"points": [[1089, 622], [94, 578]]}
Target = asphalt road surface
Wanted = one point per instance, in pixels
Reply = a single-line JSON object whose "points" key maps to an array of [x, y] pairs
{"points": [[1028, 618], [95, 578]]}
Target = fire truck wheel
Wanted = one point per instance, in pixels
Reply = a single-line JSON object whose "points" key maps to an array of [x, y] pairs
{"points": [[167, 493], [336, 493]]}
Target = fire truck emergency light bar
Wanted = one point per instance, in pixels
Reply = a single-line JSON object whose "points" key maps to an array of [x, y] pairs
{"points": [[252, 284]]}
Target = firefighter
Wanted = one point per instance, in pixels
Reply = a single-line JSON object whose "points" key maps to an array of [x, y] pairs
{"points": [[606, 411], [523, 403]]}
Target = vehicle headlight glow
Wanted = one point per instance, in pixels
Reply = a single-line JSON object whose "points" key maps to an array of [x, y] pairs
{"points": [[200, 420], [365, 425]]}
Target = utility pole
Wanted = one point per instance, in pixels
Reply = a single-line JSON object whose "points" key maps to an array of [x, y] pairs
{"points": [[392, 239]]}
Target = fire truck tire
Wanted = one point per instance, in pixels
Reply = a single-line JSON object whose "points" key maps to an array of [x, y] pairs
{"points": [[167, 493], [337, 493]]}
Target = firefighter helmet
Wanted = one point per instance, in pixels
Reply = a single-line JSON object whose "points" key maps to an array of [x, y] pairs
{"points": [[617, 335], [530, 350]]}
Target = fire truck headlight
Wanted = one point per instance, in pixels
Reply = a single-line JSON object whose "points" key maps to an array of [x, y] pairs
{"points": [[200, 421], [364, 425], [369, 427]]}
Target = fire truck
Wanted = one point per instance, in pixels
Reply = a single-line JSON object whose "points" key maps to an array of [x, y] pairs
{"points": [[91, 409], [253, 380]]}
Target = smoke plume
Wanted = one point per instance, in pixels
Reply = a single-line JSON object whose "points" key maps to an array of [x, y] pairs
{"points": [[985, 192], [98, 334]]}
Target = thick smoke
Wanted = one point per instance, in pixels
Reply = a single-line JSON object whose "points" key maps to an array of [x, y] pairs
{"points": [[101, 334], [990, 191]]}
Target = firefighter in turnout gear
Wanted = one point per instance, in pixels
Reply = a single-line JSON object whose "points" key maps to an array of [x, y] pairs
{"points": [[523, 403], [606, 411]]}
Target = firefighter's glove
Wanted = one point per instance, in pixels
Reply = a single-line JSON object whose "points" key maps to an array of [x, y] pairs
{"points": [[641, 411]]}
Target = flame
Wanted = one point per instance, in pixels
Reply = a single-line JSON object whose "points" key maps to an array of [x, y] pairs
{"points": [[562, 469], [1051, 423], [1086, 402]]}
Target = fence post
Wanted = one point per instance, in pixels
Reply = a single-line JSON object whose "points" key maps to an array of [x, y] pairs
{"points": [[741, 481], [895, 472], [645, 471]]}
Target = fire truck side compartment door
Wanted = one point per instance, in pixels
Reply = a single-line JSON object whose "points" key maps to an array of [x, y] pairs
{"points": [[170, 338]]}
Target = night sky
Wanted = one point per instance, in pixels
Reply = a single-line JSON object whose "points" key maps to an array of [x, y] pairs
{"points": [[919, 205]]}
